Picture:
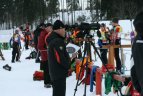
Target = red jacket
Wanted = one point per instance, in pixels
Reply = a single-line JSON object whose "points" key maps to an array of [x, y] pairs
{"points": [[42, 45]]}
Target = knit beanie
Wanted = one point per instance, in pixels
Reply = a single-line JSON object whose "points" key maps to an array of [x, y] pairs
{"points": [[48, 24], [58, 25], [115, 20]]}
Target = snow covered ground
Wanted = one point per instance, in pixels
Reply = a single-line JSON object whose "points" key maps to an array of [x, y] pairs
{"points": [[19, 81]]}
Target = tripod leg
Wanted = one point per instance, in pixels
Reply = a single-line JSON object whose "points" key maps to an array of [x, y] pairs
{"points": [[98, 55], [80, 70], [86, 77]]}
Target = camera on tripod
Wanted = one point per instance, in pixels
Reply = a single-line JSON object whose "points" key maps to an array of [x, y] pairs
{"points": [[85, 34], [85, 29], [87, 26]]}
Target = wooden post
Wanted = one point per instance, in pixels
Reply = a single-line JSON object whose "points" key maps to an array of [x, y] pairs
{"points": [[98, 79], [111, 55], [111, 51], [110, 62]]}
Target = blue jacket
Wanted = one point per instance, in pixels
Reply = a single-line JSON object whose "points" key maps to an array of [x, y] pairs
{"points": [[15, 38]]}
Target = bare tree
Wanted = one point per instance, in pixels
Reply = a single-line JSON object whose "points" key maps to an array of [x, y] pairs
{"points": [[94, 7], [81, 19], [131, 9]]}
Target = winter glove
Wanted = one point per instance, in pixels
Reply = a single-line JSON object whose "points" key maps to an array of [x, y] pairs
{"points": [[100, 43]]}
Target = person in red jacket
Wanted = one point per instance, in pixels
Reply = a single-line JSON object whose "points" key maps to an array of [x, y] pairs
{"points": [[44, 56]]}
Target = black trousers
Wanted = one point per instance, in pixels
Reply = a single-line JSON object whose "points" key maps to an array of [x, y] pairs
{"points": [[47, 79], [59, 87], [15, 52], [117, 58], [26, 44], [103, 53], [135, 80]]}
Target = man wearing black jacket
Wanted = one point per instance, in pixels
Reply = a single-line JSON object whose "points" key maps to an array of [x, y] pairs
{"points": [[137, 53], [58, 58]]}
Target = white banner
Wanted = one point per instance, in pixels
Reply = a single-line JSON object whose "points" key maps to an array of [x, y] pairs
{"points": [[5, 38]]}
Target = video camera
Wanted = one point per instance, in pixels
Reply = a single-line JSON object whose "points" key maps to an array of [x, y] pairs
{"points": [[86, 27], [70, 27]]}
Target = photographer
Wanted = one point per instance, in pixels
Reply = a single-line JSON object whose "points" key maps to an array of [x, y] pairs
{"points": [[77, 35], [58, 59], [69, 38]]}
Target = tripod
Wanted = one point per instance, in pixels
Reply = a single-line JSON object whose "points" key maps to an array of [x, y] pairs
{"points": [[87, 51], [88, 44]]}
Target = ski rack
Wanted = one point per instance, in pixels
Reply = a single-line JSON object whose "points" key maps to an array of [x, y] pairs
{"points": [[110, 66], [111, 51]]}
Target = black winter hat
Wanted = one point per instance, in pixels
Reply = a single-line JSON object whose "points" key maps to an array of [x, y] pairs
{"points": [[41, 25], [16, 31], [48, 24], [58, 25], [115, 20], [138, 22], [102, 25]]}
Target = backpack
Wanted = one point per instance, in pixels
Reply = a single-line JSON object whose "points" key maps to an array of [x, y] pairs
{"points": [[38, 75], [33, 54]]}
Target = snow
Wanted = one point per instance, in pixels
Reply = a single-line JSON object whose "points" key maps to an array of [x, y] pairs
{"points": [[19, 81]]}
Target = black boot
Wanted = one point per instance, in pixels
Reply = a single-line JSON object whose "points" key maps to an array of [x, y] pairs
{"points": [[47, 79], [37, 60], [41, 65], [47, 85]]}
